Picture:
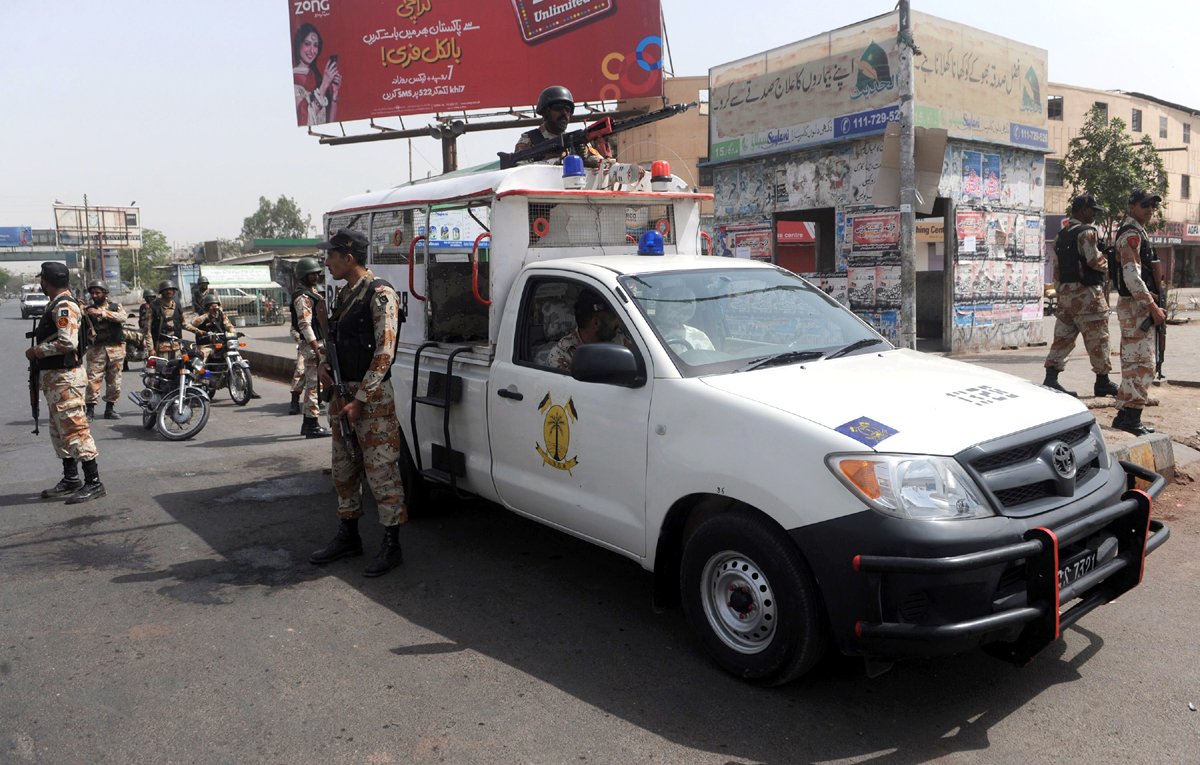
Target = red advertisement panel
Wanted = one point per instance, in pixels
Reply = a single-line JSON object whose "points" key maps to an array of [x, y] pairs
{"points": [[356, 59], [876, 232]]}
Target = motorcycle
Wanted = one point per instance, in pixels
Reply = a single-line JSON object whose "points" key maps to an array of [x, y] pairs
{"points": [[171, 400], [226, 368]]}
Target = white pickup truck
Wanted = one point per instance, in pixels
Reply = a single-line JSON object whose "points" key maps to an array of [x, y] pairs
{"points": [[790, 478]]}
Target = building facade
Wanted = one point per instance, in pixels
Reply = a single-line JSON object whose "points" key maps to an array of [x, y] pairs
{"points": [[1173, 130], [808, 133]]}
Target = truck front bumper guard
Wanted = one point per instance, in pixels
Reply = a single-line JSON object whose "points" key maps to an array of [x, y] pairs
{"points": [[1129, 520]]}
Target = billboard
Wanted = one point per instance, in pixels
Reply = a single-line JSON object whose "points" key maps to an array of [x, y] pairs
{"points": [[104, 227], [16, 236], [357, 59]]}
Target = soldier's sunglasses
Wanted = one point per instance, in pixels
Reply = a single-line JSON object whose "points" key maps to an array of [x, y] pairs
{"points": [[1148, 205]]}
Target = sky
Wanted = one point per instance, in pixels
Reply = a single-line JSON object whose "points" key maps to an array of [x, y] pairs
{"points": [[185, 108]]}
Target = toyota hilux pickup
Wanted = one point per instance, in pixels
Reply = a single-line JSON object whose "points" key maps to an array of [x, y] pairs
{"points": [[792, 480]]}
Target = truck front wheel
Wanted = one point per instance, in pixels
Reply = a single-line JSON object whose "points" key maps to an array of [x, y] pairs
{"points": [[750, 596]]}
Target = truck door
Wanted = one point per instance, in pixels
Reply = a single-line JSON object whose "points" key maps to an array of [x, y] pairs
{"points": [[570, 453]]}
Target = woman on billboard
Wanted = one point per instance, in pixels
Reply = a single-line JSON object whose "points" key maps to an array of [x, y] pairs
{"points": [[316, 90]]}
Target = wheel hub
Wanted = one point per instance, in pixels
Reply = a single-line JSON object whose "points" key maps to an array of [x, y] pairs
{"points": [[738, 602]]}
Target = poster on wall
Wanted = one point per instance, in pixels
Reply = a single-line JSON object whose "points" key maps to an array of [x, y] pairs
{"points": [[356, 59], [991, 178], [972, 176], [887, 286], [753, 242], [875, 232], [833, 285], [969, 224], [861, 287]]}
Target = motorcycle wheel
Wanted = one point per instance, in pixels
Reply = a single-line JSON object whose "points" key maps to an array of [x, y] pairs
{"points": [[148, 417], [239, 386], [174, 427]]}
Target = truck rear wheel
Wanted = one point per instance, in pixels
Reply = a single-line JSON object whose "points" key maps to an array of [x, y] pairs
{"points": [[416, 488], [749, 595]]}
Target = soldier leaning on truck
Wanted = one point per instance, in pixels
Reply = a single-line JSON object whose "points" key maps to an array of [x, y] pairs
{"points": [[1138, 304], [1079, 269], [106, 354], [363, 334], [61, 377]]}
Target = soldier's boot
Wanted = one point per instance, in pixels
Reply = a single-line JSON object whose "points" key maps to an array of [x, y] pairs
{"points": [[70, 481], [389, 555], [312, 428], [91, 411], [295, 407], [109, 413], [1130, 421], [346, 543], [1051, 381], [1104, 386], [92, 488]]}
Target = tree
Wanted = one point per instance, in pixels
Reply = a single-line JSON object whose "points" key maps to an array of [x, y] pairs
{"points": [[154, 254], [1102, 160], [7, 279], [281, 220]]}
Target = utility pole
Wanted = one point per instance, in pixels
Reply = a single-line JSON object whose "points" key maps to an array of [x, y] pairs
{"points": [[908, 185]]}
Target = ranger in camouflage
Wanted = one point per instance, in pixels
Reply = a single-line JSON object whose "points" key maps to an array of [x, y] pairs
{"points": [[1079, 269], [163, 319], [106, 354], [304, 301], [210, 321], [59, 337], [297, 374], [1138, 311], [363, 335]]}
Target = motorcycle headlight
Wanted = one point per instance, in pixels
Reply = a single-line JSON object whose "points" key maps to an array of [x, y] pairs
{"points": [[911, 486], [197, 364]]}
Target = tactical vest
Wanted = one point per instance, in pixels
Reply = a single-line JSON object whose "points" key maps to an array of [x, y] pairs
{"points": [[162, 325], [1072, 266], [535, 137], [1146, 255], [354, 335], [313, 299], [48, 328], [213, 326], [108, 331]]}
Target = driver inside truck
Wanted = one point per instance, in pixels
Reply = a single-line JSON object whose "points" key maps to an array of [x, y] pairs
{"points": [[595, 322]]}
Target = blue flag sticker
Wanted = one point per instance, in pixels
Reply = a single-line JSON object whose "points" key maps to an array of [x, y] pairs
{"points": [[867, 431]]}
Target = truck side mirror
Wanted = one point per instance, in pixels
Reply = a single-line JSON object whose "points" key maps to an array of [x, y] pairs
{"points": [[607, 363]]}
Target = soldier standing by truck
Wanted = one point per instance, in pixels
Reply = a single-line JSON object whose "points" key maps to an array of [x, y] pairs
{"points": [[106, 354], [304, 302], [59, 340], [362, 336]]}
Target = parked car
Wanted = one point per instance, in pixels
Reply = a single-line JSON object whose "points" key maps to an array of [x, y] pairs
{"points": [[238, 300], [33, 304]]}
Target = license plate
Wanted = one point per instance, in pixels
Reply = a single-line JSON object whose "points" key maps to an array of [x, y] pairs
{"points": [[1076, 567]]}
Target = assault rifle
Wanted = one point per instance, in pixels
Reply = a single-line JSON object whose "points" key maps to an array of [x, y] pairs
{"points": [[34, 400], [340, 392], [573, 142]]}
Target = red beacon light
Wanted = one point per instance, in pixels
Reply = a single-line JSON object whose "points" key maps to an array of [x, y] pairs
{"points": [[660, 175]]}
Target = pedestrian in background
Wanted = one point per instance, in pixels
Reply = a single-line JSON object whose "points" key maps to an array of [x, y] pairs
{"points": [[363, 334], [59, 339], [1138, 311], [106, 354], [1079, 270], [305, 302]]}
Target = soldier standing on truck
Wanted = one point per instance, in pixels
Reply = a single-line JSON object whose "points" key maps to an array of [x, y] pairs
{"points": [[1079, 269], [305, 301], [106, 355], [362, 335], [59, 337]]}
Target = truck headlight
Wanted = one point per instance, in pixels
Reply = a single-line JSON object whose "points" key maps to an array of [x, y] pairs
{"points": [[911, 486]]}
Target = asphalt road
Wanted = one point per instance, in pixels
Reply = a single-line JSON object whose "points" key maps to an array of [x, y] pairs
{"points": [[177, 620]]}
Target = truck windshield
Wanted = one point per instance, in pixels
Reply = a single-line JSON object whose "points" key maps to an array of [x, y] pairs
{"points": [[720, 321]]}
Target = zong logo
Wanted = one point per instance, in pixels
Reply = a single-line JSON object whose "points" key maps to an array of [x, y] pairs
{"points": [[311, 6]]}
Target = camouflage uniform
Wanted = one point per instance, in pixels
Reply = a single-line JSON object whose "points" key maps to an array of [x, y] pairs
{"points": [[298, 374], [377, 429], [203, 324], [308, 361], [1081, 308], [106, 356], [171, 324], [64, 388], [1137, 345]]}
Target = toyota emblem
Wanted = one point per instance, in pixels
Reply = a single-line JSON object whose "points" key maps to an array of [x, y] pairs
{"points": [[1064, 460]]}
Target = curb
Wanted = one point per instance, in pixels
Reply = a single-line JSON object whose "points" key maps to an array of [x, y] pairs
{"points": [[267, 365], [1153, 452]]}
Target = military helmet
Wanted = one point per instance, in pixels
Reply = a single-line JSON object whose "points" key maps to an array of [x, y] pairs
{"points": [[306, 266], [147, 294], [553, 95], [96, 284], [167, 284], [209, 299], [202, 280]]}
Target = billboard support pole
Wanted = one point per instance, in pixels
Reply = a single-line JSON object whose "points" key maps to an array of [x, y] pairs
{"points": [[908, 183]]}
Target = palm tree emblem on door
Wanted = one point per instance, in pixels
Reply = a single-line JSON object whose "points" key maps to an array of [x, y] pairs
{"points": [[556, 432]]}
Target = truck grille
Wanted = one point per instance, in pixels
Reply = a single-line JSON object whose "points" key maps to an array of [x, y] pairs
{"points": [[1029, 473]]}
